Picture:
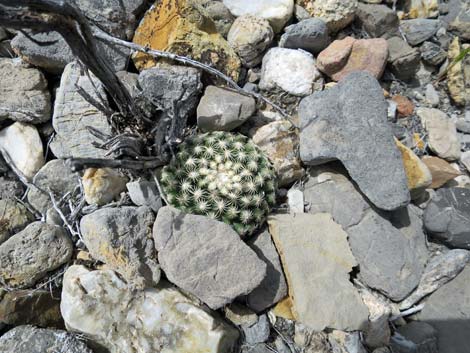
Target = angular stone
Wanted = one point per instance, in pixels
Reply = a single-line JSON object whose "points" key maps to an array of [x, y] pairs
{"points": [[415, 337], [441, 171], [326, 298], [10, 188], [295, 200], [432, 53], [283, 309], [240, 315], [290, 70], [145, 193], [121, 238], [378, 330], [442, 133], [28, 255], [100, 305], [403, 60], [55, 176], [405, 107], [29, 339], [13, 218], [310, 34], [102, 185], [73, 114], [458, 76], [23, 93], [448, 311], [391, 252], [432, 97], [220, 14], [440, 270], [417, 173], [447, 217], [50, 51], [273, 287], [336, 13], [184, 28], [280, 143], [459, 18], [419, 30], [23, 307], [250, 36], [378, 20], [348, 55], [23, 145], [223, 110], [349, 122], [257, 333], [277, 12], [205, 257]]}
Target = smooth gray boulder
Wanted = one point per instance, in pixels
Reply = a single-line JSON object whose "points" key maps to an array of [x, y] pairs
{"points": [[73, 114], [205, 257], [273, 288], [24, 95], [122, 239], [447, 217], [29, 339], [349, 122], [418, 30], [145, 193], [223, 110], [389, 247], [310, 34], [28, 255]]}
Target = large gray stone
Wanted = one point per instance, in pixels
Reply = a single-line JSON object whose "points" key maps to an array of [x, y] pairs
{"points": [[378, 20], [28, 255], [29, 339], [440, 270], [273, 288], [24, 95], [310, 34], [205, 257], [317, 261], [72, 115], [14, 216], [447, 217], [458, 18], [448, 311], [418, 30], [122, 239], [223, 110], [403, 60], [390, 249], [349, 122], [56, 177], [50, 51]]}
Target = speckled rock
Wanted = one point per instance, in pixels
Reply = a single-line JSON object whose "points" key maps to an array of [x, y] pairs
{"points": [[250, 36], [100, 305], [102, 185], [14, 216], [423, 8], [458, 76], [184, 28], [336, 13], [28, 255]]}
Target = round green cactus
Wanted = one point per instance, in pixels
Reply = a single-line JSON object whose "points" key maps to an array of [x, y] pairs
{"points": [[224, 176]]}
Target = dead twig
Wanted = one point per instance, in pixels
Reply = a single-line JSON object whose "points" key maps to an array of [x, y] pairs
{"points": [[77, 164]]}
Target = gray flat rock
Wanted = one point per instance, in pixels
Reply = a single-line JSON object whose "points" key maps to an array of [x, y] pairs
{"points": [[419, 30], [205, 257], [310, 34], [349, 122]]}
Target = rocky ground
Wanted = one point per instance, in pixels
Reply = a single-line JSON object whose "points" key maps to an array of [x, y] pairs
{"points": [[332, 215]]}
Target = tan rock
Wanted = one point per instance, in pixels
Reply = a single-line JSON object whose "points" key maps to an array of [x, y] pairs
{"points": [[441, 171], [347, 55], [336, 13], [280, 143], [102, 185], [417, 173], [317, 259], [458, 76], [405, 107], [423, 8], [284, 309], [183, 27]]}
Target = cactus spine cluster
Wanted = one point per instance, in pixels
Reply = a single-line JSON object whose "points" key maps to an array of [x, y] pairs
{"points": [[224, 176]]}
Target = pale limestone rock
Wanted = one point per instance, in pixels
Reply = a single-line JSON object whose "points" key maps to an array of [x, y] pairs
{"points": [[317, 260], [336, 13], [458, 76], [100, 305], [102, 185], [423, 8], [23, 145]]}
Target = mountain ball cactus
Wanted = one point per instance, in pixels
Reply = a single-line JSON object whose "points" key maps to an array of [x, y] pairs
{"points": [[224, 176]]}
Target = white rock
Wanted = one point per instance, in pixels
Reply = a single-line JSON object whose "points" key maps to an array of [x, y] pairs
{"points": [[24, 146], [336, 13], [100, 305], [277, 12], [291, 70], [465, 159], [432, 97], [295, 199], [443, 138]]}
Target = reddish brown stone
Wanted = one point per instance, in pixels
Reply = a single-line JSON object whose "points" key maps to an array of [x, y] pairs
{"points": [[405, 107]]}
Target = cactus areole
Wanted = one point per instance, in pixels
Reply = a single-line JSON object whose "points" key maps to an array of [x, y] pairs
{"points": [[224, 176]]}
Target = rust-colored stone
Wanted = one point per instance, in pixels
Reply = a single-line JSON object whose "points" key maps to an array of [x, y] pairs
{"points": [[441, 171], [405, 107]]}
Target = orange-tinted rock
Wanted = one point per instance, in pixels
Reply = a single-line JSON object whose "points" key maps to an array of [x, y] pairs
{"points": [[347, 55], [184, 28], [405, 107], [441, 171], [284, 309]]}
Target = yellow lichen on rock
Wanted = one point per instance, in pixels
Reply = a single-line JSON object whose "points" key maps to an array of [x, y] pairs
{"points": [[184, 28], [458, 74]]}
